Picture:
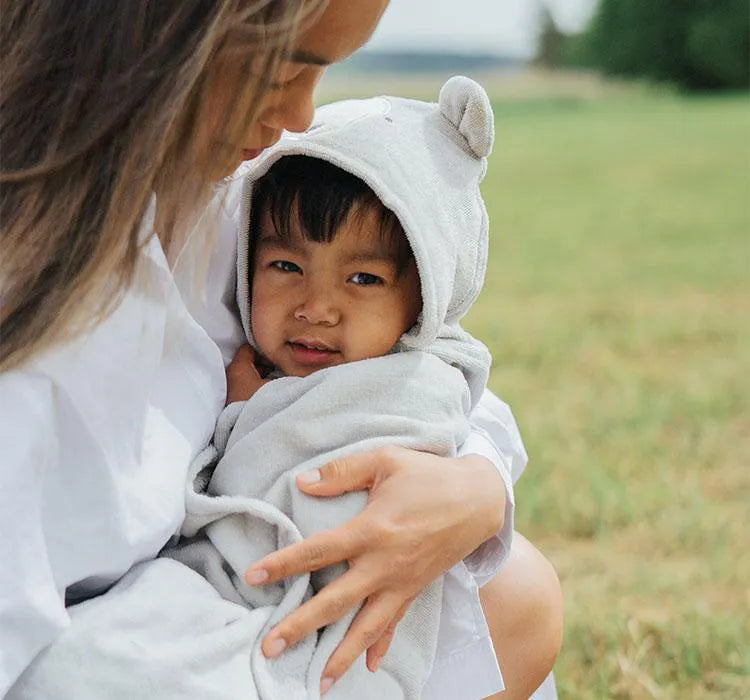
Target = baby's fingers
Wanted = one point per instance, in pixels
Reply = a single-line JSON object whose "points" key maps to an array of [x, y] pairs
{"points": [[243, 379], [243, 359]]}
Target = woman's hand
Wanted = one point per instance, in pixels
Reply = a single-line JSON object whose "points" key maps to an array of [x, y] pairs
{"points": [[243, 376], [424, 514]]}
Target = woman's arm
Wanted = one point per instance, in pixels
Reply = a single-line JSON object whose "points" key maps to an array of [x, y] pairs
{"points": [[424, 514], [495, 436]]}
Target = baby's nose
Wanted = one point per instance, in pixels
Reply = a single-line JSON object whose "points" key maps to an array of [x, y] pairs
{"points": [[318, 309]]}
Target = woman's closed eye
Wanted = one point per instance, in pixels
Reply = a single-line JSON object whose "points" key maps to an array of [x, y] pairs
{"points": [[286, 76], [286, 266], [366, 279]]}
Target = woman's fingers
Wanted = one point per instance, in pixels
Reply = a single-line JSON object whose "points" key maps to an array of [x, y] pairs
{"points": [[424, 514], [331, 603], [313, 553], [352, 473], [379, 649], [370, 624]]}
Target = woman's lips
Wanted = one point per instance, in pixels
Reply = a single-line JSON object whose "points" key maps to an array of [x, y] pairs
{"points": [[250, 153], [311, 355]]}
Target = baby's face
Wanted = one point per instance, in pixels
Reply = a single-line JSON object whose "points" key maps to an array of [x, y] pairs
{"points": [[316, 305]]}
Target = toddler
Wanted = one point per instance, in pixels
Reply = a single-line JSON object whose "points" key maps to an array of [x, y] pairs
{"points": [[364, 242]]}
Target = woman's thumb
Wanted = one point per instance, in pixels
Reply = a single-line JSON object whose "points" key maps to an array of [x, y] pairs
{"points": [[353, 473]]}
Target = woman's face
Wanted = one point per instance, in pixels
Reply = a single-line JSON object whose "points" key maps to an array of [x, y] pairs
{"points": [[341, 29]]}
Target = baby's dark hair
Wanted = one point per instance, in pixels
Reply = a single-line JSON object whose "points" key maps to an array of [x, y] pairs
{"points": [[323, 196]]}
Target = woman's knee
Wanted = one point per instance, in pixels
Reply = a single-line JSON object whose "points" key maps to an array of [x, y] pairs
{"points": [[524, 609]]}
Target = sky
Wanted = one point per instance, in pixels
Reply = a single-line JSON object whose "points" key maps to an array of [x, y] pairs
{"points": [[497, 26]]}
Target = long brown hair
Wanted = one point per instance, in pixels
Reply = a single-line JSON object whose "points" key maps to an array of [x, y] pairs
{"points": [[99, 107]]}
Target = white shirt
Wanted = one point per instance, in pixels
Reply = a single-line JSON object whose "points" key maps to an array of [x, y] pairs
{"points": [[97, 434]]}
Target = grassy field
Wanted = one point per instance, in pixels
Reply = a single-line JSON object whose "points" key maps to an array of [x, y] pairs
{"points": [[617, 308]]}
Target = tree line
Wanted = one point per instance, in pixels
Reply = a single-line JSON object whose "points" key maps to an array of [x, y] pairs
{"points": [[695, 44]]}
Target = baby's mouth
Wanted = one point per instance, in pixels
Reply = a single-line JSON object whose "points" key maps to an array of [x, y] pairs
{"points": [[311, 353]]}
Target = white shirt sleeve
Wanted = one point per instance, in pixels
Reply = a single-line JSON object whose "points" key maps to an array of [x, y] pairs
{"points": [[32, 609], [495, 436]]}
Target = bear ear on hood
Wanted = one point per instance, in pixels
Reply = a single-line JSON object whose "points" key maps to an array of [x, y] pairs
{"points": [[466, 105]]}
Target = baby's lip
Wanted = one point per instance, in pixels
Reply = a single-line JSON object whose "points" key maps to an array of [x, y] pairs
{"points": [[313, 344]]}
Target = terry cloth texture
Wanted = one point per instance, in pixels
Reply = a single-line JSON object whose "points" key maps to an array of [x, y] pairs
{"points": [[162, 631]]}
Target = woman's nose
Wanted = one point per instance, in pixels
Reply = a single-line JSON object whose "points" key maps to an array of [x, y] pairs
{"points": [[292, 111]]}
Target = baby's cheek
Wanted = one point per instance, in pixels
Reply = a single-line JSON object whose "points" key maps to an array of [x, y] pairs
{"points": [[260, 327], [385, 335]]}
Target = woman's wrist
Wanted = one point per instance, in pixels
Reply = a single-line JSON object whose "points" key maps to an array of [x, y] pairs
{"points": [[487, 494]]}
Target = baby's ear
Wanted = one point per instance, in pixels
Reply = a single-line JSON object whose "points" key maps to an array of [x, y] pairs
{"points": [[466, 105]]}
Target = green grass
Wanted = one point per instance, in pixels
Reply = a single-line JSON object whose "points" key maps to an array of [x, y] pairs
{"points": [[617, 308]]}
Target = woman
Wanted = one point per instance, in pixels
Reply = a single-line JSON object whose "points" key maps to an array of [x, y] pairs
{"points": [[110, 386]]}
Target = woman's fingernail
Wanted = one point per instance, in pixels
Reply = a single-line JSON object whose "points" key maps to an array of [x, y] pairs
{"points": [[375, 665], [275, 647], [256, 577], [309, 477], [325, 685]]}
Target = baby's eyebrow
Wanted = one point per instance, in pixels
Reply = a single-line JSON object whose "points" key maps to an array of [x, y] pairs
{"points": [[373, 256], [275, 241]]}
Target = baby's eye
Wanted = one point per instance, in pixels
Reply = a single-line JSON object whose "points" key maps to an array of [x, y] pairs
{"points": [[365, 278], [286, 266]]}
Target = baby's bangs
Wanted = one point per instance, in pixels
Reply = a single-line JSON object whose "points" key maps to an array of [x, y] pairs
{"points": [[312, 198]]}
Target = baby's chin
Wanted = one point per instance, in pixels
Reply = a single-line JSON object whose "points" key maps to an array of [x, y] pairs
{"points": [[297, 371]]}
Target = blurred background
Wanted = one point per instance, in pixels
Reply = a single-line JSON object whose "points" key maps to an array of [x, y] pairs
{"points": [[617, 309]]}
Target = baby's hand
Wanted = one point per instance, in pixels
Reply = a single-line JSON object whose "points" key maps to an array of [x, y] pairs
{"points": [[243, 377]]}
